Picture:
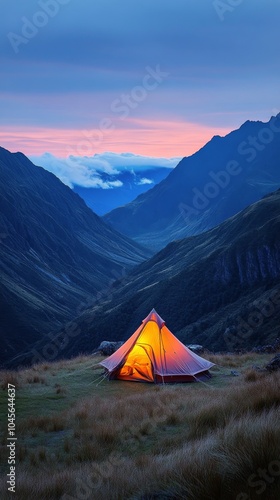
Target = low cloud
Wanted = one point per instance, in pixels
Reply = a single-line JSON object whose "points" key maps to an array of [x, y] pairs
{"points": [[144, 181], [101, 170]]}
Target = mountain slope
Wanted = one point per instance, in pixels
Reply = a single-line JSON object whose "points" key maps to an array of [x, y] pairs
{"points": [[208, 287], [55, 253], [226, 175]]}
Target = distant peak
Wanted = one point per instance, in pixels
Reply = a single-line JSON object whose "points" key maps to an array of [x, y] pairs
{"points": [[259, 122], [216, 136]]}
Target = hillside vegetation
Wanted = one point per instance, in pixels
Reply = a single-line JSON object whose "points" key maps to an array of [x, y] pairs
{"points": [[82, 437]]}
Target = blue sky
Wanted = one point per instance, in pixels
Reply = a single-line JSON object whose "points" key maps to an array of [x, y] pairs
{"points": [[68, 67]]}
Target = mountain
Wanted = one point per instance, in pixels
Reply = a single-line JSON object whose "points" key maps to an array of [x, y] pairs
{"points": [[56, 255], [220, 288], [130, 185], [225, 176]]}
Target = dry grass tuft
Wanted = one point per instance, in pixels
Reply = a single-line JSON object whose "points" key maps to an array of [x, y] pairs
{"points": [[45, 367], [231, 360], [21, 453], [36, 379], [42, 455], [67, 445], [86, 451], [51, 423], [252, 375], [9, 377], [59, 389]]}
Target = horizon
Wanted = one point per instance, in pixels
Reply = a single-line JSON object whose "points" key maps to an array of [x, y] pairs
{"points": [[88, 171]]}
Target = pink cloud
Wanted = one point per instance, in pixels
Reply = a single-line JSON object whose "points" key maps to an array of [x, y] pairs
{"points": [[143, 137]]}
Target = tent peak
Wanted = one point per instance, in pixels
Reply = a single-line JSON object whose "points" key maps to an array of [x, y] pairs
{"points": [[154, 316]]}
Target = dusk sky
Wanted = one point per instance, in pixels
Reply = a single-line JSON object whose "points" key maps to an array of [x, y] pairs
{"points": [[153, 77]]}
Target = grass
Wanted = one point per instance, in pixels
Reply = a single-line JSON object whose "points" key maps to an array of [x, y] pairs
{"points": [[83, 437]]}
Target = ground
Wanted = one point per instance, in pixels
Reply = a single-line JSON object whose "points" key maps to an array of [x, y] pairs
{"points": [[81, 437]]}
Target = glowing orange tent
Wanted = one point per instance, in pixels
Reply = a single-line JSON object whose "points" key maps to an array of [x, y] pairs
{"points": [[154, 354]]}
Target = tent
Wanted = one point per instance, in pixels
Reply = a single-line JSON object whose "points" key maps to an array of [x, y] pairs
{"points": [[154, 354]]}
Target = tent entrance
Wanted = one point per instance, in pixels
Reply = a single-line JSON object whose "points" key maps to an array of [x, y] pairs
{"points": [[138, 364]]}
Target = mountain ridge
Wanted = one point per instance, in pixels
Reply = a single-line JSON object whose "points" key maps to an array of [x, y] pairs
{"points": [[219, 180]]}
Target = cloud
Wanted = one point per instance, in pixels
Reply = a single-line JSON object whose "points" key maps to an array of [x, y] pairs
{"points": [[144, 181], [155, 141], [101, 170], [128, 161], [113, 184]]}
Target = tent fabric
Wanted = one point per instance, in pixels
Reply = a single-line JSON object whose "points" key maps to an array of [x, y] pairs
{"points": [[154, 354]]}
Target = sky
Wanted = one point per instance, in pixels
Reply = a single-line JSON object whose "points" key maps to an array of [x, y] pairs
{"points": [[156, 78]]}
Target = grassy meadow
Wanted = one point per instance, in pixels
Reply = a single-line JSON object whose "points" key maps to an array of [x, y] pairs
{"points": [[82, 437]]}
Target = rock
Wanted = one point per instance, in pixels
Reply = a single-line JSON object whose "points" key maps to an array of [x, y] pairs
{"points": [[276, 344], [196, 348], [107, 348], [269, 348], [274, 364], [257, 368]]}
